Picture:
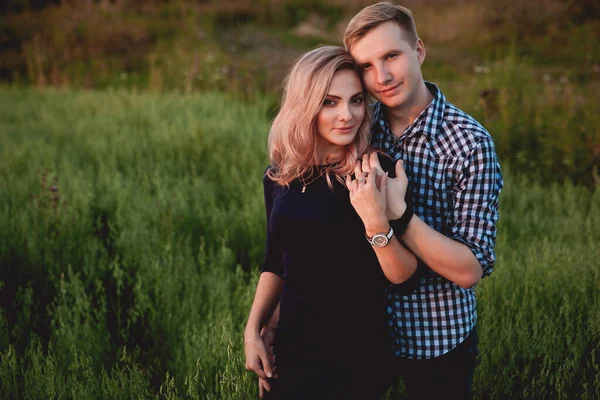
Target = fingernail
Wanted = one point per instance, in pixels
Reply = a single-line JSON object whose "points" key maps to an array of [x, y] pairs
{"points": [[269, 374]]}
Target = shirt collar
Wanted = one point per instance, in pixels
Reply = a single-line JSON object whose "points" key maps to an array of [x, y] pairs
{"points": [[426, 123]]}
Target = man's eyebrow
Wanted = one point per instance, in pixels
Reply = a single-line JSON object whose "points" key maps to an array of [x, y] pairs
{"points": [[380, 56]]}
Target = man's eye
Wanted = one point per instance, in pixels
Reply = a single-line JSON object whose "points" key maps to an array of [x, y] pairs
{"points": [[366, 67], [391, 56]]}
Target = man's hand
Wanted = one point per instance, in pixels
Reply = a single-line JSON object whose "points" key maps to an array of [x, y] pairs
{"points": [[396, 187], [263, 386], [268, 337]]}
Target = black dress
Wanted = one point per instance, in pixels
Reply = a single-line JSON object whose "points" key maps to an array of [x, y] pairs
{"points": [[332, 317]]}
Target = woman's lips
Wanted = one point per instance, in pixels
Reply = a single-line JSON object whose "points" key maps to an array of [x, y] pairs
{"points": [[344, 129]]}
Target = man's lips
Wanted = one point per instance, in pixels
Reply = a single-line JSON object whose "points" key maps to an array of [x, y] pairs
{"points": [[388, 90]]}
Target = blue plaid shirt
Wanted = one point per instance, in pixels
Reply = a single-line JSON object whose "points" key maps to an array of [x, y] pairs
{"points": [[455, 179]]}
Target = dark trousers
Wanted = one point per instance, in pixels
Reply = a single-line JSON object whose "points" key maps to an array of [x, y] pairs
{"points": [[449, 376], [298, 380]]}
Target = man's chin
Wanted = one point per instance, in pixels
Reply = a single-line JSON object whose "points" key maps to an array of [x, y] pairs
{"points": [[391, 102]]}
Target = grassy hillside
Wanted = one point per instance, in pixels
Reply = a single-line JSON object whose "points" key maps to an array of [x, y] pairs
{"points": [[132, 234]]}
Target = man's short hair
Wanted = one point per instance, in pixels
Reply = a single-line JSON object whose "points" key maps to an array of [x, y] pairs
{"points": [[374, 15]]}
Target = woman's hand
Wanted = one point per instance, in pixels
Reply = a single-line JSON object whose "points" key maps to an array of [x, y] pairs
{"points": [[368, 196], [257, 357]]}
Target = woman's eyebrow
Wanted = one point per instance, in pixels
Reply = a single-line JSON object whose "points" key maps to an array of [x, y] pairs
{"points": [[339, 98]]}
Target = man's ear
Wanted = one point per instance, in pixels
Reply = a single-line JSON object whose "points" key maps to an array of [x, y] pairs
{"points": [[420, 48]]}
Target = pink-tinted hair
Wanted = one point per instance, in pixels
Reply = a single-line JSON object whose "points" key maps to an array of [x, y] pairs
{"points": [[293, 134]]}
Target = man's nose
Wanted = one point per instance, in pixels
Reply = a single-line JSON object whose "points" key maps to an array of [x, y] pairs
{"points": [[383, 75]]}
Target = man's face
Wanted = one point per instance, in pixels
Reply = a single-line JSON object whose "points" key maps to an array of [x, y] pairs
{"points": [[391, 66]]}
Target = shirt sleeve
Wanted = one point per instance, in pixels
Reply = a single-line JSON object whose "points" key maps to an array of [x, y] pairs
{"points": [[475, 213], [273, 257]]}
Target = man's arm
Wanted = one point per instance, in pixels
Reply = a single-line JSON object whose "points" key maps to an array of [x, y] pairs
{"points": [[451, 259], [467, 253]]}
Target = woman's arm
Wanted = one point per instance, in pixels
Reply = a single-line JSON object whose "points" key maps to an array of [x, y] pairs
{"points": [[268, 292], [369, 200], [266, 299]]}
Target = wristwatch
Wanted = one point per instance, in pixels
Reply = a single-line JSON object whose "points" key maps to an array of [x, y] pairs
{"points": [[380, 239]]}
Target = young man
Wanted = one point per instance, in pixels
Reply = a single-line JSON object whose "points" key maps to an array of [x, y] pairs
{"points": [[455, 181]]}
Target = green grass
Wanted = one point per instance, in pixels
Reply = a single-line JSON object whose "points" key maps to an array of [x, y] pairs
{"points": [[132, 235]]}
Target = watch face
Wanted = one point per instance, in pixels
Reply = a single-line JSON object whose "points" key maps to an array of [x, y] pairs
{"points": [[379, 240]]}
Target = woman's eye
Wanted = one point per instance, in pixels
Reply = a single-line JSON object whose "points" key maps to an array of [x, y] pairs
{"points": [[357, 100], [328, 102]]}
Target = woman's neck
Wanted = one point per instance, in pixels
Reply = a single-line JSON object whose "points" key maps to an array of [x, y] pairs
{"points": [[330, 157]]}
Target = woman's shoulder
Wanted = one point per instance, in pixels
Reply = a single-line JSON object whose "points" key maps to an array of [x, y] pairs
{"points": [[270, 177], [266, 173]]}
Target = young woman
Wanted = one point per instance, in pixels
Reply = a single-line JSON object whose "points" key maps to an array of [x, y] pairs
{"points": [[330, 249]]}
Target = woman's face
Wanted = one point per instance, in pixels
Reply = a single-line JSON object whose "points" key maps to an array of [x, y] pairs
{"points": [[341, 115]]}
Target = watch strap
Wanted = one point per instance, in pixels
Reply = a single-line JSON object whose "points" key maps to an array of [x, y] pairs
{"points": [[401, 224]]}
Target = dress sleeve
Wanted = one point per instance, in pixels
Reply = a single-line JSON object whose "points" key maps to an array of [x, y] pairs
{"points": [[475, 213], [273, 257]]}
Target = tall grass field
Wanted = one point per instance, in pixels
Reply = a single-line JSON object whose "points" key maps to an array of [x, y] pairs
{"points": [[131, 236]]}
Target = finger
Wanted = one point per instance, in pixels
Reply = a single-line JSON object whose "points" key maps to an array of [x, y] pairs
{"points": [[268, 370], [257, 369], [272, 357], [400, 173], [380, 181], [374, 161], [372, 178], [358, 172], [366, 166], [350, 184], [266, 385], [263, 385], [383, 185]]}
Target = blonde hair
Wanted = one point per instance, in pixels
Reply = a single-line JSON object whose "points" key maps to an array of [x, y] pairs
{"points": [[293, 134], [374, 15]]}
